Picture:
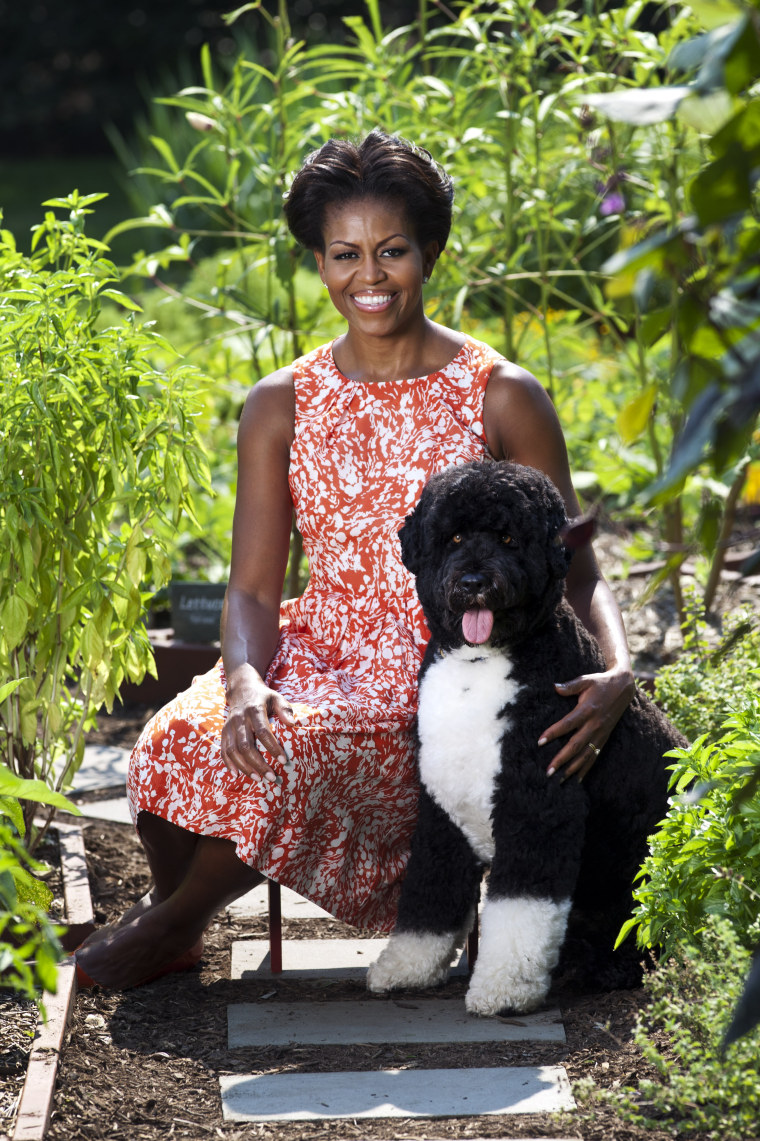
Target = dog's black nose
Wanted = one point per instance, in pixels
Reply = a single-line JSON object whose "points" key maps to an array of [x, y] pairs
{"points": [[473, 581]]}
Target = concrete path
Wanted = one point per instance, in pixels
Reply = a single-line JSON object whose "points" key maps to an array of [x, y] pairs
{"points": [[380, 1022], [396, 1093], [103, 766], [312, 959]]}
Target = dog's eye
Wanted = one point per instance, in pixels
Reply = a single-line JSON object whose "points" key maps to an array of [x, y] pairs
{"points": [[507, 540], [456, 538]]}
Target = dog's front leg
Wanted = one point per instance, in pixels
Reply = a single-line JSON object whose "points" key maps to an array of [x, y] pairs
{"points": [[538, 833], [436, 908]]}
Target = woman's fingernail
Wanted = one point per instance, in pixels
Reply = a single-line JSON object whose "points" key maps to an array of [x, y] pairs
{"points": [[550, 772], [270, 776], [542, 740]]}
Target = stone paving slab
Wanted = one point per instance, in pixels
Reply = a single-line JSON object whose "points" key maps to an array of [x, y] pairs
{"points": [[313, 959], [380, 1021], [103, 766], [305, 958], [116, 810], [294, 906], [396, 1093]]}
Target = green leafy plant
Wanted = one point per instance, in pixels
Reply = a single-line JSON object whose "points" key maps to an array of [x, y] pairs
{"points": [[693, 1086], [692, 276], [96, 445], [705, 858], [698, 690], [29, 946]]}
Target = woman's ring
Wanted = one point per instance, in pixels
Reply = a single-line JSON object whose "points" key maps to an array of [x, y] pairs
{"points": [[593, 748]]}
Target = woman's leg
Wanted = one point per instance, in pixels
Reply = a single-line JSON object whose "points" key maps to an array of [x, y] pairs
{"points": [[194, 877]]}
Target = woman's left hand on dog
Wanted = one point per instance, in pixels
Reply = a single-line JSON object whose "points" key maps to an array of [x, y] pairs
{"points": [[602, 699]]}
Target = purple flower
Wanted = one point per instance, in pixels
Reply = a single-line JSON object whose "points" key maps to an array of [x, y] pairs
{"points": [[612, 199], [612, 203]]}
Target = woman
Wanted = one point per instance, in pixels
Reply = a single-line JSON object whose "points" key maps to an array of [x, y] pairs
{"points": [[307, 774]]}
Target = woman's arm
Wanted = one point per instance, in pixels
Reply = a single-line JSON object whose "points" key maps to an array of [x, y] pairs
{"points": [[260, 542], [521, 425]]}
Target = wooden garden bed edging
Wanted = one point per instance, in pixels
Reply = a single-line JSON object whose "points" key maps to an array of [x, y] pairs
{"points": [[36, 1101]]}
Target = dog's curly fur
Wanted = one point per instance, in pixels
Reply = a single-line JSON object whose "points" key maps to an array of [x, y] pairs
{"points": [[486, 540]]}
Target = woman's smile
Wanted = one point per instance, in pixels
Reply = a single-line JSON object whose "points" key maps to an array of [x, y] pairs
{"points": [[370, 302]]}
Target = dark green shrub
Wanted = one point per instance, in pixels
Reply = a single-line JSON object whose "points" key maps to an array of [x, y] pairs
{"points": [[705, 859], [693, 1087], [699, 689]]}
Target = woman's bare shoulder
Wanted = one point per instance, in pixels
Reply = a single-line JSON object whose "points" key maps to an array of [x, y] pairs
{"points": [[270, 406], [517, 412], [509, 381]]}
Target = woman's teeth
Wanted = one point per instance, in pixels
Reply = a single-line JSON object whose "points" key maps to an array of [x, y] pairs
{"points": [[373, 300]]}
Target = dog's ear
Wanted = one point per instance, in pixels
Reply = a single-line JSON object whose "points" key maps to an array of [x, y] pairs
{"points": [[411, 541], [571, 536], [578, 532]]}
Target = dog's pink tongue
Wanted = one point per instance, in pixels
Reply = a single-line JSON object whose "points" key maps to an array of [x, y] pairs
{"points": [[477, 625]]}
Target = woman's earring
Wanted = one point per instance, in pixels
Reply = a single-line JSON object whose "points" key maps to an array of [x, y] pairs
{"points": [[324, 285], [425, 279]]}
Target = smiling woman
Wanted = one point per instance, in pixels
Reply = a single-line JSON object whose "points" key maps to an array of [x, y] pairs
{"points": [[294, 756]]}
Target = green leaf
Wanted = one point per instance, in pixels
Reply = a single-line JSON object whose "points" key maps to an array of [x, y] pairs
{"points": [[742, 130], [742, 64], [724, 188], [627, 927], [10, 687], [634, 417], [121, 299], [166, 152], [714, 13], [14, 619], [36, 790], [707, 113], [10, 807], [46, 966]]}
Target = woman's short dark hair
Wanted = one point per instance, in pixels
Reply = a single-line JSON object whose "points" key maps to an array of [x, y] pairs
{"points": [[381, 166]]}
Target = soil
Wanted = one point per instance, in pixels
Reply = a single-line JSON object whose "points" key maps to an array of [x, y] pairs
{"points": [[145, 1063]]}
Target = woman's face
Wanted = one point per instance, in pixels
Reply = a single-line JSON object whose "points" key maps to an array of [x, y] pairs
{"points": [[373, 265]]}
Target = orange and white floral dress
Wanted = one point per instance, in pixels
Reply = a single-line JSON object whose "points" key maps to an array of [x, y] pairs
{"points": [[337, 829]]}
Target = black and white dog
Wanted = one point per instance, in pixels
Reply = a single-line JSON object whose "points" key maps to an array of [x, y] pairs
{"points": [[485, 543]]}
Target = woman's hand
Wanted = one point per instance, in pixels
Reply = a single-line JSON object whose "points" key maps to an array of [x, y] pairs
{"points": [[602, 700], [252, 708]]}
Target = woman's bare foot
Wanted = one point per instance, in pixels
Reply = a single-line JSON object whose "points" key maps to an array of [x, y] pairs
{"points": [[144, 904], [130, 953], [203, 875]]}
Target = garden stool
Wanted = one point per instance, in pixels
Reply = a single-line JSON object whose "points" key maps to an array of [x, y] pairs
{"points": [[275, 932]]}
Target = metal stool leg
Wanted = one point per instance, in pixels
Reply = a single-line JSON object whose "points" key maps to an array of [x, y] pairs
{"points": [[472, 946], [472, 938], [275, 928]]}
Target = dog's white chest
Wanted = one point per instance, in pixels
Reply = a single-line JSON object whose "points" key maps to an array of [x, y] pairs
{"points": [[461, 721]]}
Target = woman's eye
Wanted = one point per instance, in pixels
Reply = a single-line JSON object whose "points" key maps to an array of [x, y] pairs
{"points": [[393, 252], [346, 254]]}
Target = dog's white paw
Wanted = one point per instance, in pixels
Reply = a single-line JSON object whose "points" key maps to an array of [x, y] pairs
{"points": [[519, 948], [412, 960], [489, 993]]}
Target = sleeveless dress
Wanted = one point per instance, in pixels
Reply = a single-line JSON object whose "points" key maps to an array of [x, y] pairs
{"points": [[337, 829]]}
